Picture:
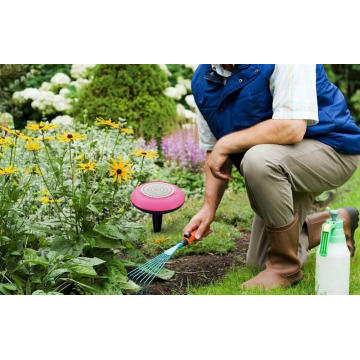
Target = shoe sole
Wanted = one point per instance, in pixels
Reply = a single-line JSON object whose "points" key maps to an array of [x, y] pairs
{"points": [[354, 223]]}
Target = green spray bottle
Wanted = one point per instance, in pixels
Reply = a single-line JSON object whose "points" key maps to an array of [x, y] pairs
{"points": [[332, 259]]}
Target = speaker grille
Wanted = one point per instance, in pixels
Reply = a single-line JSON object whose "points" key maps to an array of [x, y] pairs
{"points": [[157, 189]]}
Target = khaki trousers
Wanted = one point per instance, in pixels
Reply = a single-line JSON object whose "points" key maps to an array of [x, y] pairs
{"points": [[283, 179]]}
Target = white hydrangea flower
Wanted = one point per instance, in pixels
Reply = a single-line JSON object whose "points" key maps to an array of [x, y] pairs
{"points": [[45, 86], [60, 79], [21, 97], [176, 92], [80, 70], [79, 83], [165, 69], [64, 92], [60, 103], [180, 110], [44, 102], [184, 82], [189, 99], [64, 120], [191, 116]]}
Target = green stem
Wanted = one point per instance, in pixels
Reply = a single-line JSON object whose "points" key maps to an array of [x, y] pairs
{"points": [[13, 161], [116, 140], [73, 189], [48, 156], [50, 192], [113, 197], [103, 147]]}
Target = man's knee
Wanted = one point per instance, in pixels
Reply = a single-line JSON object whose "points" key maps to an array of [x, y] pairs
{"points": [[257, 162]]}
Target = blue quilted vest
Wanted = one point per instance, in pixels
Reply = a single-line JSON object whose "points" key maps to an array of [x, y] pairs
{"points": [[244, 99]]}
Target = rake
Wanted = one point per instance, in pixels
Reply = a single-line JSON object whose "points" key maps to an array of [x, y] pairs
{"points": [[146, 273]]}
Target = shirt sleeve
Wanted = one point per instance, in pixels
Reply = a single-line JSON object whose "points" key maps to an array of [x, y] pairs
{"points": [[294, 92], [207, 139]]}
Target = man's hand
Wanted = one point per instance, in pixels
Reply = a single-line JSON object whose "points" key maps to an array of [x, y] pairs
{"points": [[201, 221], [217, 163]]}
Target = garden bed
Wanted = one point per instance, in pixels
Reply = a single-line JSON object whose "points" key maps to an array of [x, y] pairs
{"points": [[197, 270]]}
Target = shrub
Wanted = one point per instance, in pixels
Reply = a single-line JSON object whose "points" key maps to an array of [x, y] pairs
{"points": [[133, 92], [63, 219]]}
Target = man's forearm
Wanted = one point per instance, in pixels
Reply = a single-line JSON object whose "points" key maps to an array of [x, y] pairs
{"points": [[214, 188], [267, 132]]}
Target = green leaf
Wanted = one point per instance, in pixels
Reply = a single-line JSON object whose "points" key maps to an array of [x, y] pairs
{"points": [[42, 292], [82, 270], [4, 240], [55, 273], [7, 288], [110, 231], [103, 242], [129, 287], [165, 274], [31, 257], [85, 261], [66, 247], [93, 208], [18, 281], [136, 256], [82, 285]]}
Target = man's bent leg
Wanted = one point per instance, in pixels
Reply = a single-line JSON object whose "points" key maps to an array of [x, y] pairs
{"points": [[259, 244], [273, 173]]}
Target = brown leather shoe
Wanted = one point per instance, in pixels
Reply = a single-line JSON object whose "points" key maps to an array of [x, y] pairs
{"points": [[314, 223], [283, 267]]}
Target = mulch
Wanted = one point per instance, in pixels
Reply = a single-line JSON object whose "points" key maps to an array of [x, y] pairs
{"points": [[198, 270]]}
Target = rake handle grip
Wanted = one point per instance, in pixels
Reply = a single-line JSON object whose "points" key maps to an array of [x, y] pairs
{"points": [[190, 237]]}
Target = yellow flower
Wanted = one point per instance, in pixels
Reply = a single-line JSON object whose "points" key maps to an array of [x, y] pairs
{"points": [[6, 142], [120, 171], [80, 157], [85, 167], [110, 122], [33, 145], [25, 137], [4, 128], [33, 171], [45, 192], [47, 200], [70, 137], [41, 127], [161, 240], [8, 170], [150, 154]]}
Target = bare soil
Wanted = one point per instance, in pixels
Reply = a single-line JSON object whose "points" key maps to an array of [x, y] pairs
{"points": [[200, 270]]}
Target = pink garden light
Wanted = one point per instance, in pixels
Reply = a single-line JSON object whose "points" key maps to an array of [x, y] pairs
{"points": [[157, 198]]}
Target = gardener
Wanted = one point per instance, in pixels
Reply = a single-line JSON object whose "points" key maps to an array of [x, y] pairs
{"points": [[288, 130]]}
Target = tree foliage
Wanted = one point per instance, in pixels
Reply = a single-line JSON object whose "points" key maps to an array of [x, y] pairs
{"points": [[133, 92]]}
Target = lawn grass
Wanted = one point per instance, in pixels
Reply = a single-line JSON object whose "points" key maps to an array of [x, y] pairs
{"points": [[347, 195], [232, 216]]}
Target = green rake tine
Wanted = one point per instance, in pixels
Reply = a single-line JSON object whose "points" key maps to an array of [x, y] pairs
{"points": [[143, 267], [154, 271], [146, 281], [145, 270], [148, 266]]}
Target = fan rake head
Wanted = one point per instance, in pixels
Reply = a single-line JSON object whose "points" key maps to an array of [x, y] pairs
{"points": [[146, 273]]}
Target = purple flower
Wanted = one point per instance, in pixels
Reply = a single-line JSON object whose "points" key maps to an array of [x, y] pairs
{"points": [[182, 147], [151, 145]]}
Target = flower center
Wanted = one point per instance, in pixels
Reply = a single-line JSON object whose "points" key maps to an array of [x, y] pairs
{"points": [[87, 167], [69, 136], [143, 153], [118, 171]]}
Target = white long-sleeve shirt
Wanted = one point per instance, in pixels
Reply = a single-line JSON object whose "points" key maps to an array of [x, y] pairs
{"points": [[293, 87]]}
